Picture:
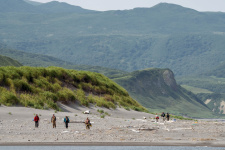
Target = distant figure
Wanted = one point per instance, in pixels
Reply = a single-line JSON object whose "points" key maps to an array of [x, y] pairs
{"points": [[167, 116], [163, 116], [36, 120], [87, 123], [66, 120], [53, 120], [157, 118]]}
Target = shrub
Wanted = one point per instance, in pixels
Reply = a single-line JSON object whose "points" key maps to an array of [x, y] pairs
{"points": [[49, 96], [8, 98], [21, 85], [100, 111], [90, 98], [66, 95], [107, 114], [102, 103], [80, 96]]}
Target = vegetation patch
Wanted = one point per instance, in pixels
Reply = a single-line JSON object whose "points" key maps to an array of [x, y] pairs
{"points": [[42, 88]]}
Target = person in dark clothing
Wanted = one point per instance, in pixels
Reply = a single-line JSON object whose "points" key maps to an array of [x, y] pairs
{"points": [[167, 116], [163, 116], [66, 120], [36, 120], [53, 120]]}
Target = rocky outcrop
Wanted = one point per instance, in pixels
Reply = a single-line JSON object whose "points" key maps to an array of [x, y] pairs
{"points": [[157, 89]]}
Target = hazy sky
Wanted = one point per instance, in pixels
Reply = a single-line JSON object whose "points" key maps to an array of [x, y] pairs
{"points": [[102, 5]]}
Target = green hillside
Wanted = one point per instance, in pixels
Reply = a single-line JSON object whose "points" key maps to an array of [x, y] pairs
{"points": [[164, 36], [218, 71], [6, 61], [210, 89], [42, 88], [37, 60], [31, 59], [157, 90]]}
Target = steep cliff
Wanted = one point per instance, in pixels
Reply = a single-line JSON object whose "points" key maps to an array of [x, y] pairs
{"points": [[157, 90]]}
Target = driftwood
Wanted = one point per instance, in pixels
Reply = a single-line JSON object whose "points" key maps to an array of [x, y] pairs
{"points": [[77, 122], [146, 129]]}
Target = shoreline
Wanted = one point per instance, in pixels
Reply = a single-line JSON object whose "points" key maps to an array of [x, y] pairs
{"points": [[120, 128], [198, 144]]}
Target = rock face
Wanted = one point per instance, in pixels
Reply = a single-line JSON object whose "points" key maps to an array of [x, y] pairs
{"points": [[168, 77], [157, 82], [157, 89]]}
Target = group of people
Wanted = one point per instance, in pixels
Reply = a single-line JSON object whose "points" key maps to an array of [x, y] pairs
{"points": [[66, 121], [163, 116]]}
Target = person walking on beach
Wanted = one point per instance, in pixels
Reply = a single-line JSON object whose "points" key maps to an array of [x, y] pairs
{"points": [[168, 116], [36, 120], [163, 116], [157, 118], [53, 120], [87, 123], [66, 120]]}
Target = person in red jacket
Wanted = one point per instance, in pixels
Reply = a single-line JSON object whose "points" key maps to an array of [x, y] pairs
{"points": [[36, 120]]}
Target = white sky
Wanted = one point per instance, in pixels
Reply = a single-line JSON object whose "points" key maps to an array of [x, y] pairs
{"points": [[102, 5]]}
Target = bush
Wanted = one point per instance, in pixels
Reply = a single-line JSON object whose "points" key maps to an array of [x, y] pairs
{"points": [[21, 85], [80, 96], [66, 95], [8, 98], [100, 111]]}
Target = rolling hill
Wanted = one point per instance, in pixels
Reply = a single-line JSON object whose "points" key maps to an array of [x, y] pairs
{"points": [[30, 59], [6, 61]]}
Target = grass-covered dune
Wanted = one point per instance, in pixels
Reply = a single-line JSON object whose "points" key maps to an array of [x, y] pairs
{"points": [[43, 88]]}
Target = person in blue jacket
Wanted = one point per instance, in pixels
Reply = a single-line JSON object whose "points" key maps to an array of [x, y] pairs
{"points": [[66, 120]]}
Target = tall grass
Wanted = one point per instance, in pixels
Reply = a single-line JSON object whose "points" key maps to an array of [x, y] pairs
{"points": [[42, 88]]}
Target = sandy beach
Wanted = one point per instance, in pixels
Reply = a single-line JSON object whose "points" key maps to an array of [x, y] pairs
{"points": [[118, 127]]}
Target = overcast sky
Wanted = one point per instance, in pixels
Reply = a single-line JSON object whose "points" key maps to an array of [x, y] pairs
{"points": [[102, 5]]}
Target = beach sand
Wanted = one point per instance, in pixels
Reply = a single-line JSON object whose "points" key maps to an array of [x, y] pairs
{"points": [[120, 127]]}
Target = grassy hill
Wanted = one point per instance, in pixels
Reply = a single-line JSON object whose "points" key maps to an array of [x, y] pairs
{"points": [[42, 88], [6, 61], [157, 90]]}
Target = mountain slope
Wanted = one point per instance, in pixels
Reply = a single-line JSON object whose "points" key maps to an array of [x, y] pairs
{"points": [[26, 6], [16, 6], [127, 40], [29, 59], [60, 7], [32, 2], [156, 89], [6, 61]]}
